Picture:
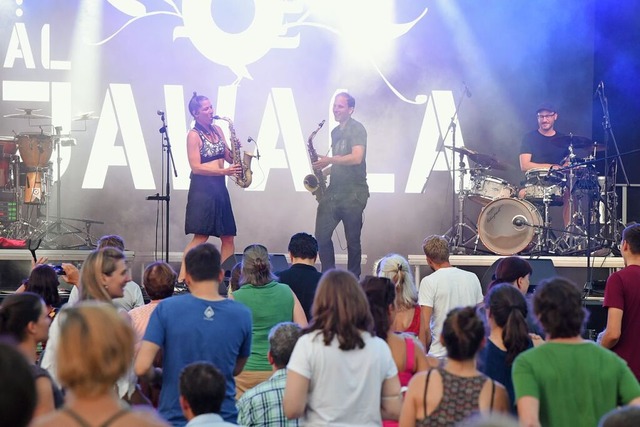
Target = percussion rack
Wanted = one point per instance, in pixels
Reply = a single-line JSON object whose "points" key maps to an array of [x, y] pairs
{"points": [[53, 232]]}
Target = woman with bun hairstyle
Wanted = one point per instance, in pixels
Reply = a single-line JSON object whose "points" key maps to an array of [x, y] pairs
{"points": [[445, 396]]}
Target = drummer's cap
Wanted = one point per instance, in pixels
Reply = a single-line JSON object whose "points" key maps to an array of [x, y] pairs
{"points": [[546, 106]]}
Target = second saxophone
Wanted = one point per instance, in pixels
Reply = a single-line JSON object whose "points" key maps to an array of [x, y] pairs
{"points": [[316, 183]]}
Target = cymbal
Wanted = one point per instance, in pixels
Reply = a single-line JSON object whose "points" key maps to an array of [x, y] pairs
{"points": [[490, 162], [27, 113], [461, 150], [485, 160], [85, 116], [575, 141]]}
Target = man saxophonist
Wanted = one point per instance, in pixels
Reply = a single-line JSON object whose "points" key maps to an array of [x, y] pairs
{"points": [[348, 192]]}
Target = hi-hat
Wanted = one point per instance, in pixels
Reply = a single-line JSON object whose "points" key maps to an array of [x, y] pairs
{"points": [[85, 116], [485, 160], [27, 113]]}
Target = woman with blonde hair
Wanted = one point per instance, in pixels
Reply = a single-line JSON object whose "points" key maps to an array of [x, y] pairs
{"points": [[339, 371], [103, 276], [95, 350], [408, 319]]}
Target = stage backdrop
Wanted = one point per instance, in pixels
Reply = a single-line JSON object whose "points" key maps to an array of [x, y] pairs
{"points": [[274, 66]]}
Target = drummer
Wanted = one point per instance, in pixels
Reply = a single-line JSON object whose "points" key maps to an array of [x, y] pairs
{"points": [[538, 149]]}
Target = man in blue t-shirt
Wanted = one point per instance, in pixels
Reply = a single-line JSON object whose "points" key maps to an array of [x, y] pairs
{"points": [[198, 326]]}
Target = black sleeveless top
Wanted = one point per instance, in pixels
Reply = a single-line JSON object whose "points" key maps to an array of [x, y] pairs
{"points": [[84, 423], [459, 399]]}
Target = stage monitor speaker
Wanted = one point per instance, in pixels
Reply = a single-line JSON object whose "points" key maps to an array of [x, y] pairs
{"points": [[542, 269]]}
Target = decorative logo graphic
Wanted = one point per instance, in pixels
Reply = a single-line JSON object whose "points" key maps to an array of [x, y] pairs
{"points": [[209, 313], [271, 26]]}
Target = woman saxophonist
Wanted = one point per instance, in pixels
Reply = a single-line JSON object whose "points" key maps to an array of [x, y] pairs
{"points": [[209, 211]]}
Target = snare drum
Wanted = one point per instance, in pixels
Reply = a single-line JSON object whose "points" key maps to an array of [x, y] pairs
{"points": [[538, 194], [485, 189], [543, 185], [35, 150], [497, 231], [544, 176]]}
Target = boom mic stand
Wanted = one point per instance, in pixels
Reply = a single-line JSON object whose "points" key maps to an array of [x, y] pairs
{"points": [[612, 197], [166, 196], [456, 240]]}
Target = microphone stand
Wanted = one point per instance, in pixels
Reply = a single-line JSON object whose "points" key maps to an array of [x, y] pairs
{"points": [[166, 196], [612, 196], [456, 241]]}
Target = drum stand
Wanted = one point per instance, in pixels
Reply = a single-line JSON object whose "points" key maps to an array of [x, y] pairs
{"points": [[455, 234], [546, 237], [573, 239], [578, 237], [52, 233]]}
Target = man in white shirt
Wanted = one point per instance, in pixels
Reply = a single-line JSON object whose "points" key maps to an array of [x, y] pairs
{"points": [[444, 289]]}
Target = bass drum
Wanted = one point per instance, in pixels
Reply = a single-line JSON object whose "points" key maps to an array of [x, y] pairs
{"points": [[496, 227]]}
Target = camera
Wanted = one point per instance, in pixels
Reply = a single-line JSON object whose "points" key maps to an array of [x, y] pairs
{"points": [[59, 270]]}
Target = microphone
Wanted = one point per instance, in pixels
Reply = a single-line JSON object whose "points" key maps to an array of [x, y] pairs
{"points": [[321, 124], [160, 113], [257, 155], [519, 221], [466, 90], [216, 117]]}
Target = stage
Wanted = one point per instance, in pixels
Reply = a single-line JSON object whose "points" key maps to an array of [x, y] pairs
{"points": [[15, 264]]}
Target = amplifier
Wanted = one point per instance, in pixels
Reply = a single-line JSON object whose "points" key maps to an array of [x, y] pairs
{"points": [[8, 207]]}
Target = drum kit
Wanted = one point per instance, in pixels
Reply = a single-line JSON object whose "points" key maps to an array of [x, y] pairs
{"points": [[26, 177], [517, 220]]}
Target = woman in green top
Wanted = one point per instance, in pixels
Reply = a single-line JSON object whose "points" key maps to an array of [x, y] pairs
{"points": [[270, 303]]}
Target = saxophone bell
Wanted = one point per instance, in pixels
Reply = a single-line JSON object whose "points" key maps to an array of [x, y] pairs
{"points": [[311, 183]]}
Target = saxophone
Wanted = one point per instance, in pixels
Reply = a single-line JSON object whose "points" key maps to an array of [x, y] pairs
{"points": [[316, 182], [243, 179]]}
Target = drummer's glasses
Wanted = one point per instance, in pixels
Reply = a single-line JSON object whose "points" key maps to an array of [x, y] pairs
{"points": [[545, 116]]}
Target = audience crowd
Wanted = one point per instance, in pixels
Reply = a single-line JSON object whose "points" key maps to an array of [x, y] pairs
{"points": [[255, 347]]}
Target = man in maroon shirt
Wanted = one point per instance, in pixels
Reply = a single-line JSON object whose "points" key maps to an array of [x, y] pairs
{"points": [[622, 299]]}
